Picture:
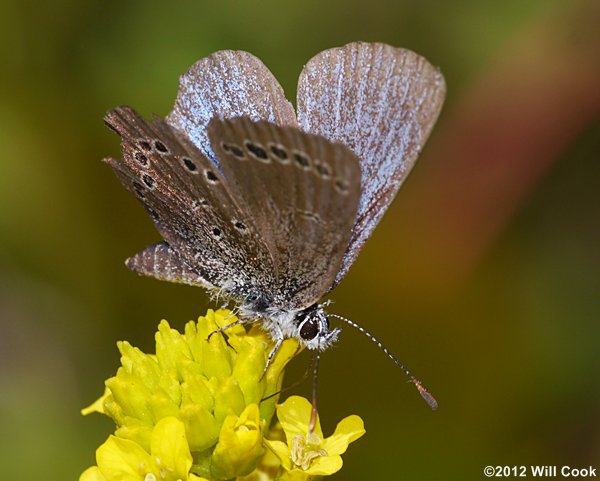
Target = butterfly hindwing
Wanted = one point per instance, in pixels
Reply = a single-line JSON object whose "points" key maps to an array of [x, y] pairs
{"points": [[227, 84], [303, 191], [381, 102], [163, 263]]}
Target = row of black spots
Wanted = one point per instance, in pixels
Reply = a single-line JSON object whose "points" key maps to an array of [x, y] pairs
{"points": [[238, 225], [191, 167], [257, 151], [146, 147], [280, 154]]}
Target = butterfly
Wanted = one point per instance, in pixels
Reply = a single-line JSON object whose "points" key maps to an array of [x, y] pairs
{"points": [[266, 206]]}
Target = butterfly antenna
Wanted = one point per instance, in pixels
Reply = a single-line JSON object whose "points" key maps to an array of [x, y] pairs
{"points": [[313, 412], [425, 394]]}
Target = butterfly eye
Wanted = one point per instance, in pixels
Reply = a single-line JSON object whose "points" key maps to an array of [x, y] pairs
{"points": [[145, 145], [309, 328], [216, 233]]}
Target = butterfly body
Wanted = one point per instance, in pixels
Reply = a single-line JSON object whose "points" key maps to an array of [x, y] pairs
{"points": [[266, 207]]}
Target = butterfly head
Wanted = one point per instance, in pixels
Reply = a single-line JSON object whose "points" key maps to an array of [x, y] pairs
{"points": [[312, 328]]}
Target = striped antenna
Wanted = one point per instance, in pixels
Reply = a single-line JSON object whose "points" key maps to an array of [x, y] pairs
{"points": [[425, 394]]}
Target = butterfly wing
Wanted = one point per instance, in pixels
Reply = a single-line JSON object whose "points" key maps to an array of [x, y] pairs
{"points": [[162, 262], [227, 84], [191, 205], [381, 102], [303, 192]]}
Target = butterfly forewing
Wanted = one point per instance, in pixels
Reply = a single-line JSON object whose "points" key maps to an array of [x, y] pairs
{"points": [[190, 203], [227, 84], [303, 191], [381, 102]]}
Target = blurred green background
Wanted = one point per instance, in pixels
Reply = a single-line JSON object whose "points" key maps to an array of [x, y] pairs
{"points": [[482, 277]]}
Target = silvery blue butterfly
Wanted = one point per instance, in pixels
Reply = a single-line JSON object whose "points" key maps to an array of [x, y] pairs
{"points": [[267, 207]]}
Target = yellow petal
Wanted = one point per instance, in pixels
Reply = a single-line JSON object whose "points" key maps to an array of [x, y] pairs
{"points": [[131, 395], [348, 429], [170, 449], [123, 460], [171, 349], [138, 433], [229, 399], [213, 355], [294, 416], [161, 405], [325, 465], [200, 425], [92, 474], [240, 445], [195, 388], [282, 451], [248, 370]]}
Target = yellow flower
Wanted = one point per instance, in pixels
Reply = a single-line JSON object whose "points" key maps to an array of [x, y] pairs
{"points": [[169, 458], [213, 387], [305, 454], [196, 411]]}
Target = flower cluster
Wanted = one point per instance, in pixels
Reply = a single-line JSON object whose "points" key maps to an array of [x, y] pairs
{"points": [[200, 409]]}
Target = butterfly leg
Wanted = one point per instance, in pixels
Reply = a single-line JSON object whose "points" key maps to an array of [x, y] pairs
{"points": [[272, 354], [224, 328]]}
